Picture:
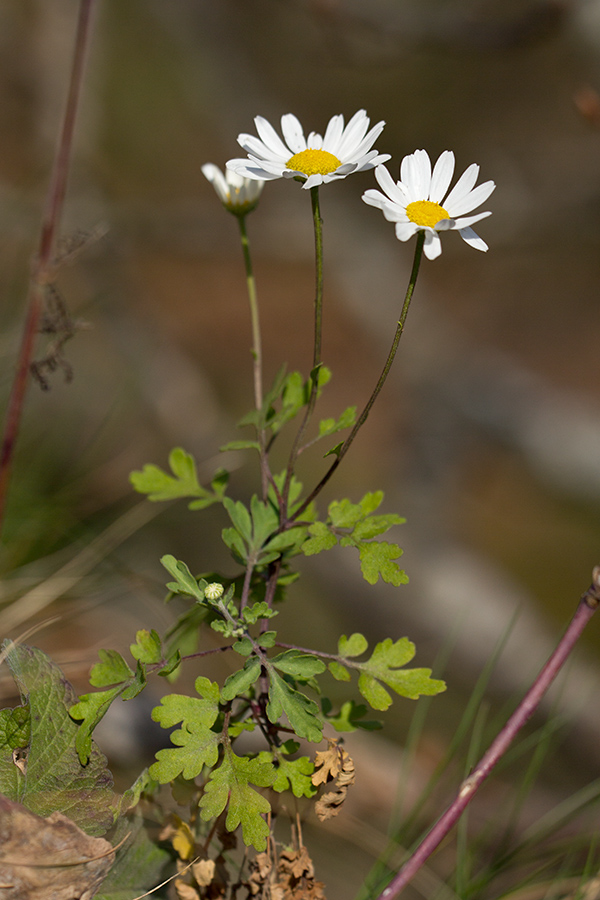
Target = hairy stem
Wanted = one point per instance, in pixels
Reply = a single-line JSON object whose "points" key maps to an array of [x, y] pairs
{"points": [[382, 378], [585, 610], [43, 265]]}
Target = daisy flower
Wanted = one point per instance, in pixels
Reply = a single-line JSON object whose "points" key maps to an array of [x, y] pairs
{"points": [[316, 159], [416, 202], [237, 194]]}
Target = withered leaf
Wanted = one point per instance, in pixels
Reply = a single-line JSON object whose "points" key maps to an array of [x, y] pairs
{"points": [[332, 764], [48, 858]]}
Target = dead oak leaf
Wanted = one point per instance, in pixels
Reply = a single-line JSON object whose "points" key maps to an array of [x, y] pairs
{"points": [[48, 858]]}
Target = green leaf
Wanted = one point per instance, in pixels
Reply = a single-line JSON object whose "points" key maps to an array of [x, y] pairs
{"points": [[355, 645], [233, 539], [350, 717], [54, 780], [302, 713], [292, 774], [196, 745], [385, 666], [298, 664], [15, 734], [344, 514], [339, 672], [374, 525], [239, 682], [240, 445], [159, 485], [377, 559], [184, 583], [229, 786], [321, 539], [240, 518], [139, 864], [111, 670], [91, 708], [371, 501], [147, 648], [330, 426], [261, 610]]}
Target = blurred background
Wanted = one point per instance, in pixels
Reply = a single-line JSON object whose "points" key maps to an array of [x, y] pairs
{"points": [[487, 436]]}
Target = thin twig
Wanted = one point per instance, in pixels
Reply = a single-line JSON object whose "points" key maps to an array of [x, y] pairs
{"points": [[585, 610], [44, 261]]}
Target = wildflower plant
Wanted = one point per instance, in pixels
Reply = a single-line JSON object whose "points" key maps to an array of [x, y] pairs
{"points": [[49, 763]]}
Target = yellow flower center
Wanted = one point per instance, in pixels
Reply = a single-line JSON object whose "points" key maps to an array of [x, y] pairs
{"points": [[313, 162], [426, 212]]}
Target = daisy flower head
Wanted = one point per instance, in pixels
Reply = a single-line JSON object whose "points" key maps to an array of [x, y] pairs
{"points": [[239, 195], [316, 159], [416, 202]]}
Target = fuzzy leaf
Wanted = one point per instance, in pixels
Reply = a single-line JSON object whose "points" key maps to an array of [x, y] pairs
{"points": [[229, 786], [91, 708], [374, 525], [111, 670], [292, 774]]}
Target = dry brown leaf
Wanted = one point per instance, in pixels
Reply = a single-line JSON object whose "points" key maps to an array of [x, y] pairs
{"points": [[333, 764], [204, 872], [186, 891], [48, 858]]}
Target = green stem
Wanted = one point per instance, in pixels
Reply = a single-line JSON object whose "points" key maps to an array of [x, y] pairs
{"points": [[318, 331], [256, 353], [382, 378]]}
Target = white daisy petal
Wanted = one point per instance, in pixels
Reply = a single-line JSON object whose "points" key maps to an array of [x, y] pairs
{"points": [[442, 176], [462, 187], [472, 200], [472, 239], [432, 247], [466, 221], [269, 137], [333, 134], [405, 230], [293, 133], [318, 160], [415, 203], [238, 193]]}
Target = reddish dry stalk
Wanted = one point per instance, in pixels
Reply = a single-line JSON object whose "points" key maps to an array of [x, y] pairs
{"points": [[43, 265], [585, 610]]}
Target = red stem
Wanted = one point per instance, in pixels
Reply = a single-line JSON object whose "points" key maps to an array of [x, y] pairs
{"points": [[587, 606], [42, 269]]}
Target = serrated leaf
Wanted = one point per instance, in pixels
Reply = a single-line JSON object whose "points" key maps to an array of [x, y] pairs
{"points": [[264, 521], [302, 713], [111, 670], [233, 539], [321, 539], [267, 639], [292, 774], [298, 664], [239, 682], [261, 610], [355, 645], [330, 426], [15, 734], [196, 745], [147, 648], [229, 786], [55, 780], [377, 559], [385, 666]]}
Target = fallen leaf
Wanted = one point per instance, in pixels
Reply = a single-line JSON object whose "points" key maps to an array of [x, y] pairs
{"points": [[48, 858]]}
